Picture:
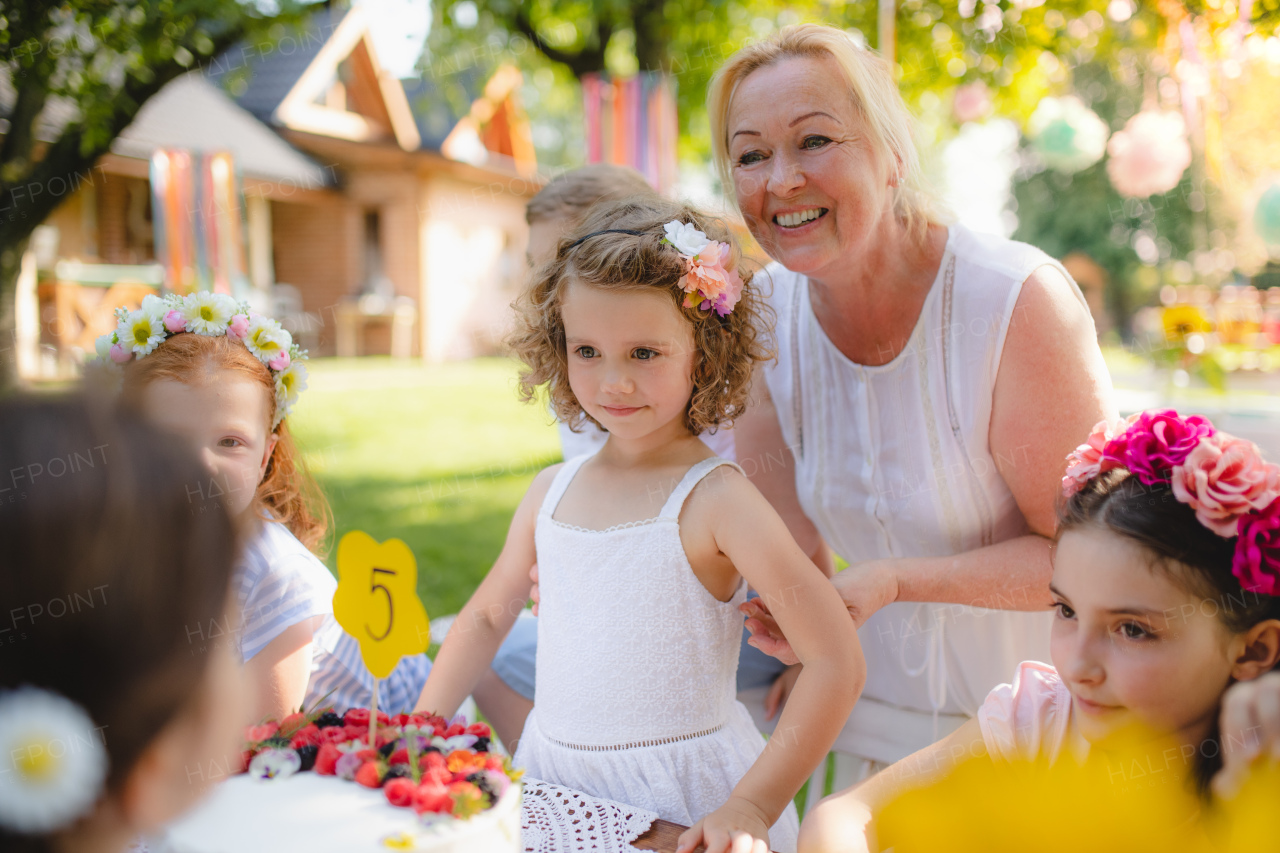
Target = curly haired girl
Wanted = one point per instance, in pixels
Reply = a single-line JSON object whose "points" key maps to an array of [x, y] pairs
{"points": [[644, 324]]}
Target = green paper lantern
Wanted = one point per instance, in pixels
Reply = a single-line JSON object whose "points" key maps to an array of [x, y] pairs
{"points": [[1067, 134], [1266, 216]]}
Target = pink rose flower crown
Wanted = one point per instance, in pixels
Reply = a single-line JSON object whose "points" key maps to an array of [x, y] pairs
{"points": [[139, 332], [1234, 492]]}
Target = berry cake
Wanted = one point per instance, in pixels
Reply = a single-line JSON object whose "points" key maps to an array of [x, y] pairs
{"points": [[314, 782]]}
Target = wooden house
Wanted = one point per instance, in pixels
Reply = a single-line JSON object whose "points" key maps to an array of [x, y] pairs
{"points": [[378, 216]]}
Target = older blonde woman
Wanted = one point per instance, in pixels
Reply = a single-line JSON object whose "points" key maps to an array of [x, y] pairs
{"points": [[929, 382]]}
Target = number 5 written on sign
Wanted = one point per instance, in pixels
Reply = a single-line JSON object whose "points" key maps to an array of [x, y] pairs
{"points": [[377, 586]]}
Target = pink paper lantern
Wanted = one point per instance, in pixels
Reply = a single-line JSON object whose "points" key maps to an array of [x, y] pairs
{"points": [[1149, 156], [971, 102]]}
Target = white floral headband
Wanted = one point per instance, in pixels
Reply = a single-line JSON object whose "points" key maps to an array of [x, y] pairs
{"points": [[138, 333], [54, 763], [709, 284]]}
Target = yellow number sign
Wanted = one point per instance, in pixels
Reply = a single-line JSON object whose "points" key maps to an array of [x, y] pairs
{"points": [[377, 600]]}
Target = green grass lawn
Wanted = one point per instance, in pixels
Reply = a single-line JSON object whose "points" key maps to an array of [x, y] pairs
{"points": [[437, 456]]}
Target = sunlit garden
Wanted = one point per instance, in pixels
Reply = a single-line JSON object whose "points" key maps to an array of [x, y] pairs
{"points": [[935, 354], [438, 457]]}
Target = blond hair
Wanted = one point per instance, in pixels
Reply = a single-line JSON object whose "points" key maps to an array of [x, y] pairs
{"points": [[874, 93], [726, 349], [573, 194]]}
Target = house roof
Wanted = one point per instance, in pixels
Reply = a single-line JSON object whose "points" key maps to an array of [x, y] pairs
{"points": [[433, 110], [192, 113], [261, 81], [272, 73]]}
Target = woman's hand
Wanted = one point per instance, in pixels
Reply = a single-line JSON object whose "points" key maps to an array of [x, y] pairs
{"points": [[865, 588], [736, 827], [1250, 728]]}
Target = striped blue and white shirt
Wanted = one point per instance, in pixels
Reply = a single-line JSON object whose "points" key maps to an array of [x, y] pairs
{"points": [[338, 671], [281, 583]]}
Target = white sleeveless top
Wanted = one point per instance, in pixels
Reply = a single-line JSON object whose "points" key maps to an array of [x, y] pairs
{"points": [[893, 461], [635, 698]]}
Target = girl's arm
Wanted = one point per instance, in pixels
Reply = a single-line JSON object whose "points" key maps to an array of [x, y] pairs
{"points": [[479, 629], [279, 673], [841, 822], [755, 539]]}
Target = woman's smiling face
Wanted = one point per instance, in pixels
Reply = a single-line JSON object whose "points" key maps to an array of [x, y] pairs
{"points": [[808, 179]]}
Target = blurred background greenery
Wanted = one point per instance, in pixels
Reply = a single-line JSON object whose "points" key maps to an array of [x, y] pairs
{"points": [[439, 457]]}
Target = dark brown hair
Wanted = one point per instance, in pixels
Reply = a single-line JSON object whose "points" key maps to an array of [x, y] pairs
{"points": [[1180, 547], [287, 489], [109, 570], [574, 193], [726, 349]]}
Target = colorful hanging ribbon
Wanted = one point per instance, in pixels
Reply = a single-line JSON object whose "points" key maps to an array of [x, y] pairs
{"points": [[633, 122]]}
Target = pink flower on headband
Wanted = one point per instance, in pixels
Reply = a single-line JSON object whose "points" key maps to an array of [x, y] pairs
{"points": [[119, 354], [280, 362], [238, 328], [1085, 462], [175, 322], [1223, 478], [1257, 559], [1154, 442], [708, 282]]}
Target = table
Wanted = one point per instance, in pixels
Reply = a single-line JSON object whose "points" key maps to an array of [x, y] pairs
{"points": [[84, 298], [353, 315], [662, 836]]}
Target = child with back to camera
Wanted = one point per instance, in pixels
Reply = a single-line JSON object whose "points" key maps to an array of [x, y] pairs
{"points": [[206, 368], [1166, 581], [113, 718], [644, 324]]}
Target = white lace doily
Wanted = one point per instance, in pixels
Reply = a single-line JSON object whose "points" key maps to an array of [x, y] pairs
{"points": [[561, 820]]}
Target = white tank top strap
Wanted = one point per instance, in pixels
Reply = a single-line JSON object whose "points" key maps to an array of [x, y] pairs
{"points": [[671, 509], [561, 482]]}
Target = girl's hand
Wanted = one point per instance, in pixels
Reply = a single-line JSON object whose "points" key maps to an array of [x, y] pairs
{"points": [[780, 690], [736, 827], [865, 588], [1250, 727]]}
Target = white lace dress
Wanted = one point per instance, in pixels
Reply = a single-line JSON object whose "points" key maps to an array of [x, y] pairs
{"points": [[635, 695]]}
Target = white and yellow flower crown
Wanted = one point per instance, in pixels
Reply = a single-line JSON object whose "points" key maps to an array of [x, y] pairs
{"points": [[139, 332]]}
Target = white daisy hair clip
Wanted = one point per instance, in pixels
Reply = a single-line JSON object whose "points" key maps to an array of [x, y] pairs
{"points": [[52, 761], [139, 332]]}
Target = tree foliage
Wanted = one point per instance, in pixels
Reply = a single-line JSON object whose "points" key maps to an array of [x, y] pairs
{"points": [[1111, 53], [79, 71], [1022, 53]]}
